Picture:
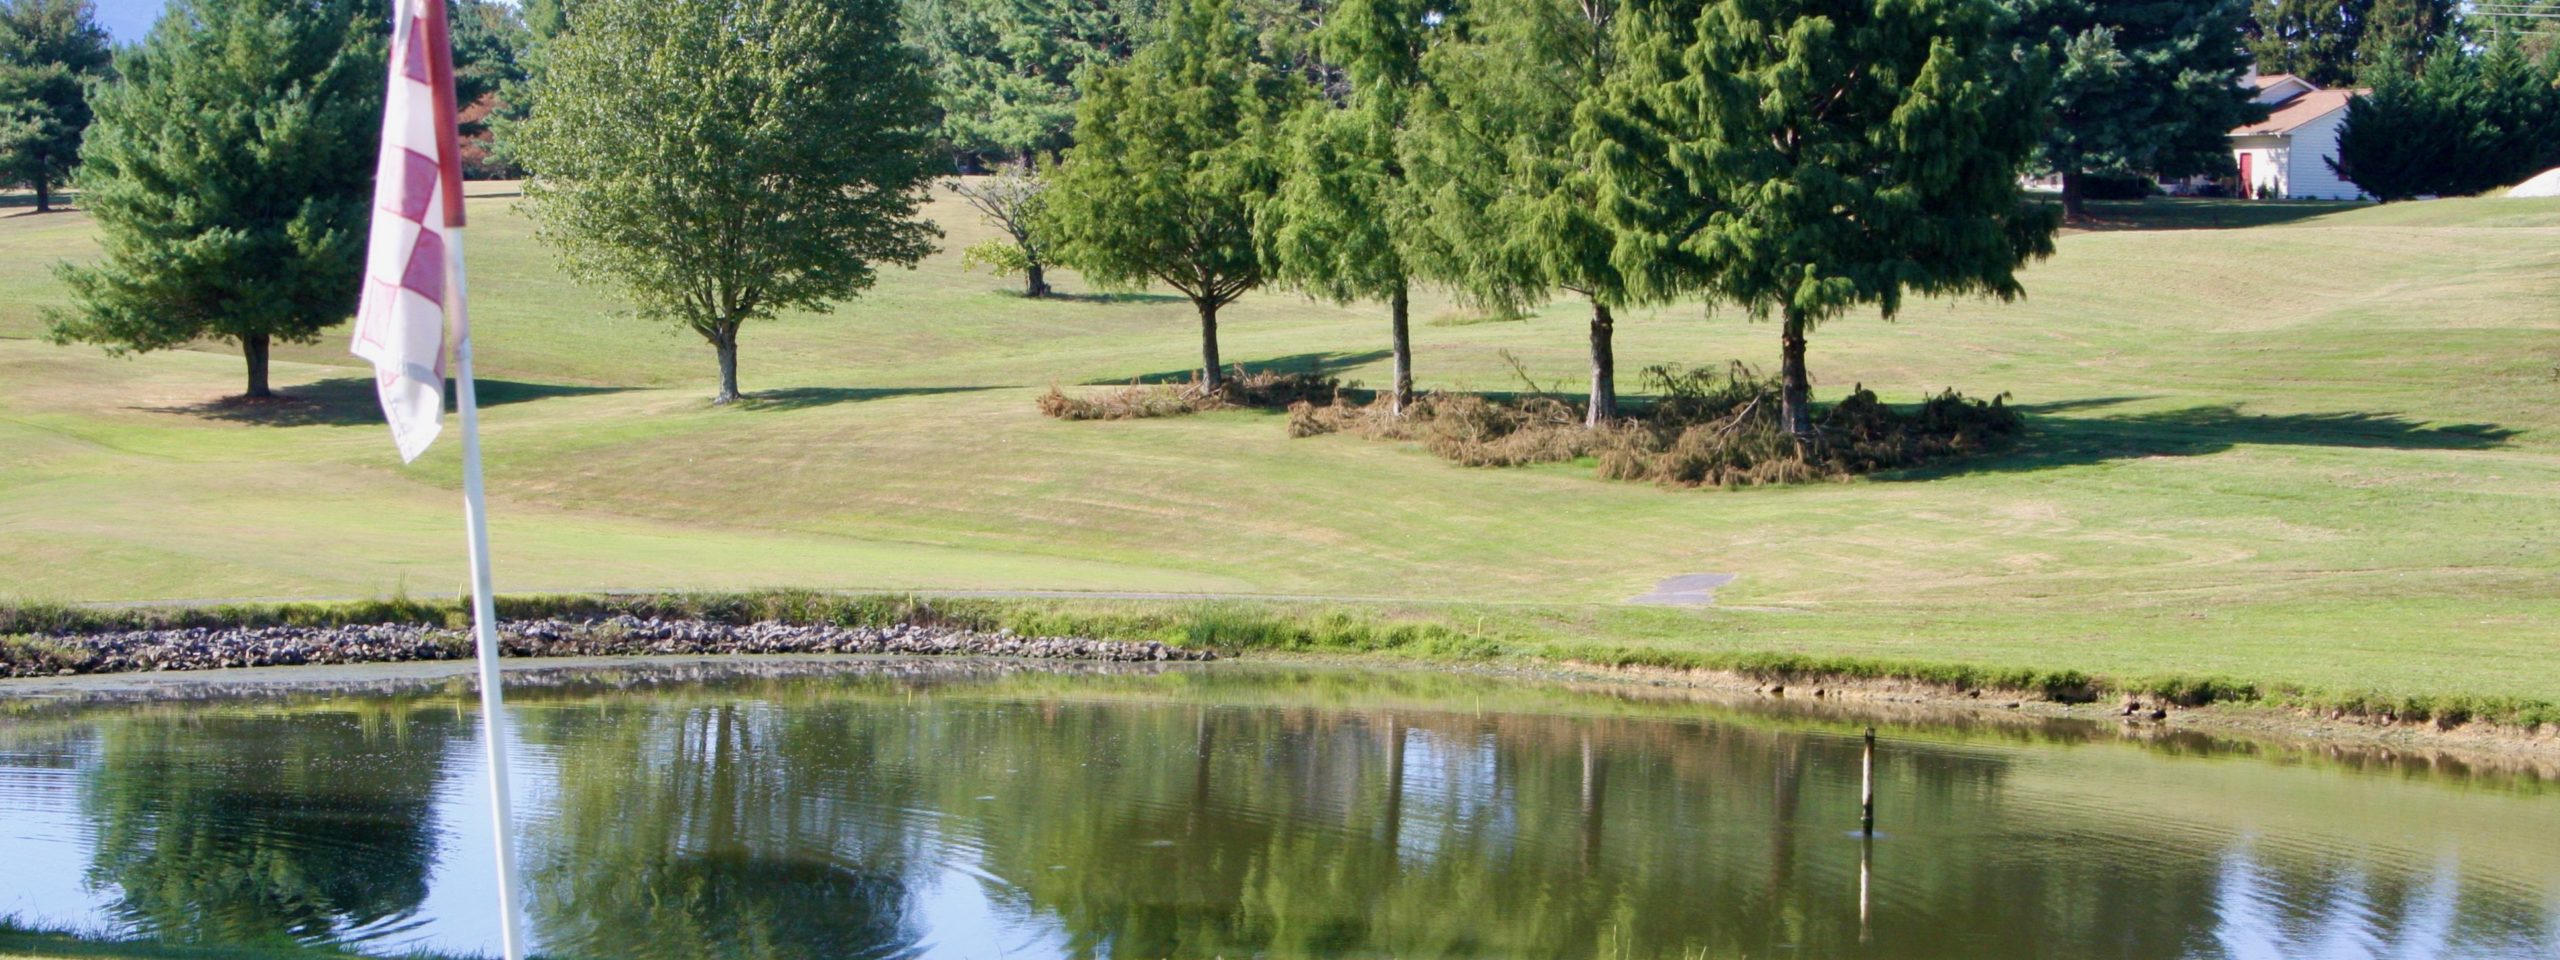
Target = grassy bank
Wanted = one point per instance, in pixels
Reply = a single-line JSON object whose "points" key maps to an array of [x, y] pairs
{"points": [[2311, 452], [1598, 636]]}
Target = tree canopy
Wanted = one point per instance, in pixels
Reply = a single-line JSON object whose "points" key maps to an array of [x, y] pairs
{"points": [[1509, 198], [50, 50], [1005, 70], [1177, 150], [2465, 123], [2140, 87], [2331, 42], [230, 170], [718, 162], [1801, 157]]}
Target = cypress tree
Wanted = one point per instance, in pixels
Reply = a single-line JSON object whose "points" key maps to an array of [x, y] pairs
{"points": [[1177, 150], [1344, 224], [1509, 198], [230, 170], [1801, 157]]}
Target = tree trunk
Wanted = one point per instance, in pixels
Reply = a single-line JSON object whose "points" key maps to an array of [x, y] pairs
{"points": [[2075, 208], [725, 340], [254, 347], [1211, 375], [44, 190], [1604, 367], [1030, 160], [1400, 310], [1035, 282], [1796, 393]]}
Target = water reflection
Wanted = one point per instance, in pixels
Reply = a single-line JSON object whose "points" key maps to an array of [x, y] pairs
{"points": [[905, 810]]}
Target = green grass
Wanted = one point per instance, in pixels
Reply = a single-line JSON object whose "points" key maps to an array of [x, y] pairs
{"points": [[2315, 451]]}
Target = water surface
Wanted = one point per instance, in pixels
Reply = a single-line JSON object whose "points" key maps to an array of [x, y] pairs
{"points": [[869, 808]]}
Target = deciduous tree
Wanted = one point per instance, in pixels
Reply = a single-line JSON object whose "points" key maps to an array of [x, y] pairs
{"points": [[1177, 149], [1802, 157], [721, 161], [1011, 201], [50, 50], [230, 170]]}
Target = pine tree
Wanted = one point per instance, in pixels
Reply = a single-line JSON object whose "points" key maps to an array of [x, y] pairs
{"points": [[1177, 150], [722, 161], [1801, 157], [1509, 198], [2399, 35], [230, 170], [1344, 225], [50, 50], [2141, 87]]}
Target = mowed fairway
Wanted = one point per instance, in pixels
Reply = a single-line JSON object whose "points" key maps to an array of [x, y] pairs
{"points": [[2318, 450]]}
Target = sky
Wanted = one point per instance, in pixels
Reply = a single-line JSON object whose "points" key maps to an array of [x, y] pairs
{"points": [[128, 20]]}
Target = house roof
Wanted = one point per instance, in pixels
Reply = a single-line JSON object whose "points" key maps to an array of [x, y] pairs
{"points": [[2300, 110]]}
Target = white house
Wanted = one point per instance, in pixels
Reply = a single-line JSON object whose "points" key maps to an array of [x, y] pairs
{"points": [[2286, 156]]}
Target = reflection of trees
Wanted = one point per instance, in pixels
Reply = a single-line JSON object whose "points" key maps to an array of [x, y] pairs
{"points": [[724, 831], [243, 828]]}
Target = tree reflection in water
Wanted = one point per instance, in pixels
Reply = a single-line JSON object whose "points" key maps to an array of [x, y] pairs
{"points": [[260, 828], [1286, 813]]}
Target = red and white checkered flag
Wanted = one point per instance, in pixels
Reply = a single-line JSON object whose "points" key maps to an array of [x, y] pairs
{"points": [[413, 266]]}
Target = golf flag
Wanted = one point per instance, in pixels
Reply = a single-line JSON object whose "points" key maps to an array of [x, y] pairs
{"points": [[413, 264], [413, 294]]}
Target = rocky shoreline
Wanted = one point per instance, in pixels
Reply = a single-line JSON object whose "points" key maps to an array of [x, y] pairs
{"points": [[204, 648]]}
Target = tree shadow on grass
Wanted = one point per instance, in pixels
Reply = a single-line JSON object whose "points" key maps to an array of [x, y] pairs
{"points": [[351, 401], [1316, 362], [802, 398], [2070, 441], [1104, 297], [2182, 213]]}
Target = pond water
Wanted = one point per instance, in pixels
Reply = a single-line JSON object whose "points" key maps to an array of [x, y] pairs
{"points": [[984, 809]]}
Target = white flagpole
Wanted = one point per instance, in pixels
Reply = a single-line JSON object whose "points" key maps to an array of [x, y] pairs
{"points": [[484, 618]]}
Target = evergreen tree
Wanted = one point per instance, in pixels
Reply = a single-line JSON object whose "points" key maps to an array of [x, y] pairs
{"points": [[1005, 70], [1801, 157], [2468, 122], [1508, 197], [50, 50], [2323, 41], [1344, 226], [2141, 87], [1177, 150], [721, 161], [230, 170], [2399, 35]]}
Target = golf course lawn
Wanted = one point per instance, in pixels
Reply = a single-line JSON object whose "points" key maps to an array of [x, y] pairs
{"points": [[2318, 449]]}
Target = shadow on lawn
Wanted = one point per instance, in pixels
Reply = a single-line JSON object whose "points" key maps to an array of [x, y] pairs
{"points": [[1104, 296], [802, 398], [351, 401], [2068, 441], [1317, 363], [2179, 213]]}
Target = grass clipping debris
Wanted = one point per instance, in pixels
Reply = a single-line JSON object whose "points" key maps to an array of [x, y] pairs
{"points": [[1703, 428]]}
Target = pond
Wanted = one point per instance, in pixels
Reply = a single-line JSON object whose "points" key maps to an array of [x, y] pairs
{"points": [[897, 808]]}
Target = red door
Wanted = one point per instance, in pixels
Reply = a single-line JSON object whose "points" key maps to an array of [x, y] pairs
{"points": [[2248, 184]]}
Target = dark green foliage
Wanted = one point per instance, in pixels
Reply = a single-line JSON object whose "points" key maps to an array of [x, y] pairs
{"points": [[2102, 186], [230, 170], [50, 50], [1177, 151], [2140, 87], [722, 162], [1802, 157], [2466, 123], [2331, 43], [1508, 201], [1005, 70]]}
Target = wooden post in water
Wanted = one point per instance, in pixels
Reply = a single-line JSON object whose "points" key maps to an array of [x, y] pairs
{"points": [[1867, 787]]}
